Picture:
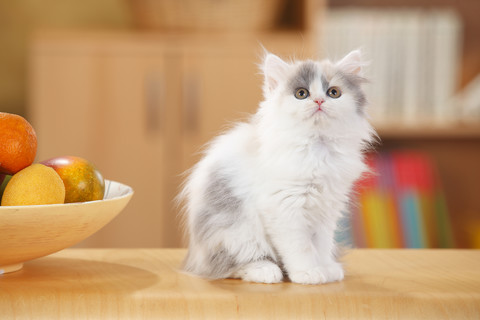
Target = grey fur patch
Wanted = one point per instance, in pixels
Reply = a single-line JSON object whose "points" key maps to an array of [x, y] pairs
{"points": [[210, 221], [218, 264], [222, 264], [220, 195], [325, 83], [222, 208], [353, 83], [304, 77]]}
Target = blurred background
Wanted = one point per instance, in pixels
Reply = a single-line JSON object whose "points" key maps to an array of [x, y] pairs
{"points": [[138, 86]]}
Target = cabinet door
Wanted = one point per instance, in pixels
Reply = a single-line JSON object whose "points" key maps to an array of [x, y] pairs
{"points": [[220, 85], [113, 106], [63, 101], [139, 146]]}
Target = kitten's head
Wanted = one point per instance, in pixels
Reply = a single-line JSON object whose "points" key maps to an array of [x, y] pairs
{"points": [[320, 93]]}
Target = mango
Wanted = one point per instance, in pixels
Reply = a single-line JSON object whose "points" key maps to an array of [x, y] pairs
{"points": [[83, 182]]}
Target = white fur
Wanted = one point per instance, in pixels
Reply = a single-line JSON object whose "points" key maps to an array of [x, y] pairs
{"points": [[293, 169]]}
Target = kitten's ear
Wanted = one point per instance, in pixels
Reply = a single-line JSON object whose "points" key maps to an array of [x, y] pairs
{"points": [[352, 63], [274, 69]]}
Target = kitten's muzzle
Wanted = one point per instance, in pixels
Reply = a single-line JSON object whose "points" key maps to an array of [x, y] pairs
{"points": [[319, 103]]}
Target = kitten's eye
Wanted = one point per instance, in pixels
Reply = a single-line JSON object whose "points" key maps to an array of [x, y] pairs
{"points": [[301, 93], [334, 92]]}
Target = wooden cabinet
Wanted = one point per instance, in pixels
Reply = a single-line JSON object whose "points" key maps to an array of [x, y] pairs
{"points": [[108, 101], [219, 87], [140, 107]]}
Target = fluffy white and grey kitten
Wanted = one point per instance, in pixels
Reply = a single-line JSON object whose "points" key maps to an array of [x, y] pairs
{"points": [[264, 201]]}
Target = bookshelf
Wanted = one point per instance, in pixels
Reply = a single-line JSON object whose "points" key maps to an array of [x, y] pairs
{"points": [[451, 140], [468, 11], [455, 152]]}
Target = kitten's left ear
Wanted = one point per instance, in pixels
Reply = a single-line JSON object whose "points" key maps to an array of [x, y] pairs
{"points": [[352, 63], [274, 69]]}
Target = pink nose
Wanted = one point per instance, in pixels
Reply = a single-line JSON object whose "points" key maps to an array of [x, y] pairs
{"points": [[319, 102]]}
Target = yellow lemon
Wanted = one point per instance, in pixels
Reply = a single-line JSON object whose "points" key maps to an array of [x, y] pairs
{"points": [[34, 185]]}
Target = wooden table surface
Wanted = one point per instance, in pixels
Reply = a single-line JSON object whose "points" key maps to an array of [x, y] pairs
{"points": [[145, 284]]}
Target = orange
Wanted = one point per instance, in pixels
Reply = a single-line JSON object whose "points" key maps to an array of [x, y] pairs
{"points": [[18, 143]]}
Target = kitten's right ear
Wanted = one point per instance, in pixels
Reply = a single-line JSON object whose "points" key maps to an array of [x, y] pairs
{"points": [[274, 69], [353, 63]]}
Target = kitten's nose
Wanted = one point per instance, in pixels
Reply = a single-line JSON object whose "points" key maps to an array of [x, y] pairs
{"points": [[319, 102]]}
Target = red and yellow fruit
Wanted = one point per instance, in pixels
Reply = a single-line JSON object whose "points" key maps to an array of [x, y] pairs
{"points": [[83, 182]]}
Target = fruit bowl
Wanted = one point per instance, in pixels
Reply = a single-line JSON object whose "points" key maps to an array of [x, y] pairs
{"points": [[29, 232]]}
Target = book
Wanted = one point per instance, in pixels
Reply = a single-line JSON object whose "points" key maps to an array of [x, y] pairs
{"points": [[401, 204]]}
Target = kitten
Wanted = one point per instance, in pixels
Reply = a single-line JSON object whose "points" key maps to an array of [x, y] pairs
{"points": [[265, 199]]}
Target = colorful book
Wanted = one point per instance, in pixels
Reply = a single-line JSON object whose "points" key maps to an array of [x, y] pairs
{"points": [[401, 204]]}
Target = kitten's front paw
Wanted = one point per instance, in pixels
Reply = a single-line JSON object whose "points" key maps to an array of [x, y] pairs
{"points": [[333, 272], [312, 276], [324, 274], [260, 271]]}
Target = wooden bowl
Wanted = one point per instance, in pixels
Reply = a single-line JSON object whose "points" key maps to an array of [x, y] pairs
{"points": [[29, 232]]}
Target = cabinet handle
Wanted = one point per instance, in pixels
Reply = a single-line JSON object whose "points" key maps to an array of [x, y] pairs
{"points": [[154, 100], [191, 95]]}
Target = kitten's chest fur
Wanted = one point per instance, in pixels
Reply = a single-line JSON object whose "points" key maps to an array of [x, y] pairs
{"points": [[311, 175], [314, 161]]}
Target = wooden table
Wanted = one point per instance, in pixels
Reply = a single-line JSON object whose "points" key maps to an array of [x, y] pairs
{"points": [[145, 283]]}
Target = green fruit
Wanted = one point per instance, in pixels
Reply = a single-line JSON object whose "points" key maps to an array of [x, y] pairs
{"points": [[4, 181]]}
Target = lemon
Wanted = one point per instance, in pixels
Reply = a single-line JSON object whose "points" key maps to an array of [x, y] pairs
{"points": [[34, 185]]}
